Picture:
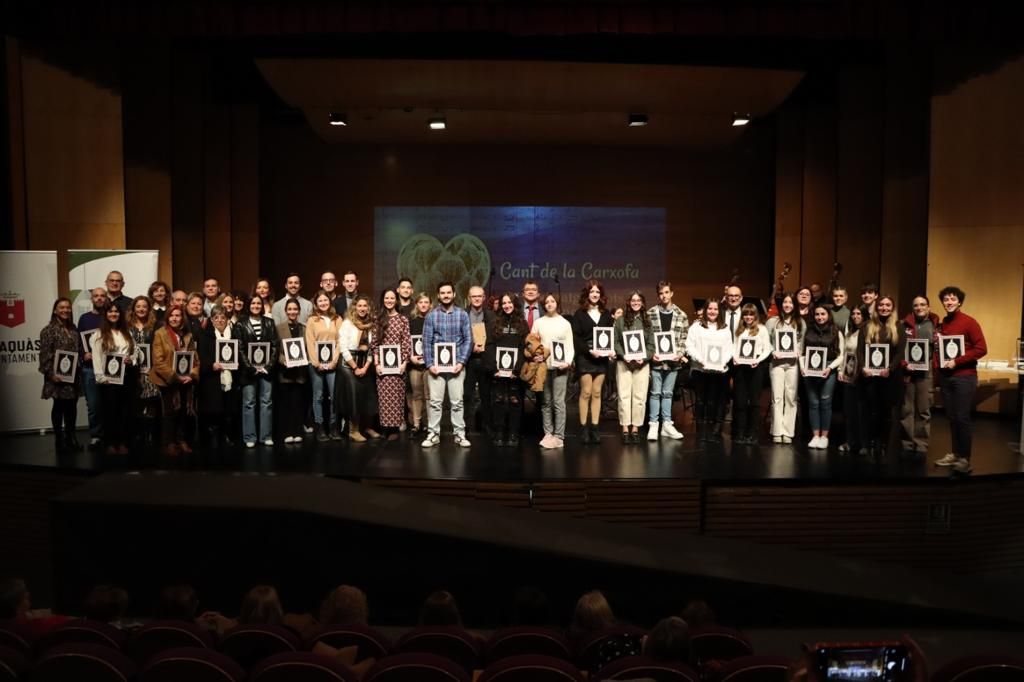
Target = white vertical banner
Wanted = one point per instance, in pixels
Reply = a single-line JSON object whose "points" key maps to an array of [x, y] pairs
{"points": [[28, 288], [88, 269]]}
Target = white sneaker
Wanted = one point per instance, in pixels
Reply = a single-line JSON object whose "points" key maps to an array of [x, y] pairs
{"points": [[250, 444], [548, 441], [668, 429], [947, 460], [777, 440], [652, 431], [296, 439], [559, 442], [812, 444], [307, 429], [823, 442], [430, 441], [269, 441], [962, 465], [462, 441], [288, 439]]}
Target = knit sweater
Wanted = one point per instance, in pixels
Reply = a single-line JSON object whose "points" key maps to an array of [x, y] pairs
{"points": [[975, 347]]}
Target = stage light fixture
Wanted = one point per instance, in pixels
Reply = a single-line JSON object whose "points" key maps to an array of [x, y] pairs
{"points": [[637, 120], [336, 118], [740, 120], [437, 123]]}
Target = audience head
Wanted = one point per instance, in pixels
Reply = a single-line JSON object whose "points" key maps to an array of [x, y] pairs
{"points": [[698, 614], [106, 603], [668, 641], [530, 607], [593, 613], [261, 606], [345, 605], [15, 600], [440, 609], [177, 602]]}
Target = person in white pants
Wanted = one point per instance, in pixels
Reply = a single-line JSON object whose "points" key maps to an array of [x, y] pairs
{"points": [[447, 323], [784, 372]]}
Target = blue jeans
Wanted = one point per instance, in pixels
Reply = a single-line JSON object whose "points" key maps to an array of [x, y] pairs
{"points": [[819, 400], [92, 400], [663, 383], [318, 379], [262, 385]]}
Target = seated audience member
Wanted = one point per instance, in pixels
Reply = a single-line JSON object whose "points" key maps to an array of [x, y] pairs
{"points": [[698, 614], [440, 609], [261, 606], [668, 641], [108, 604], [593, 615], [16, 605], [345, 605], [178, 603], [530, 607]]}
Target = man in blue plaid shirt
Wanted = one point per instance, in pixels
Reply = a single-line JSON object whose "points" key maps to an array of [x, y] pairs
{"points": [[446, 323]]}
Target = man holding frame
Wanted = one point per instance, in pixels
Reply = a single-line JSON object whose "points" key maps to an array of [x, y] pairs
{"points": [[446, 323], [665, 317]]}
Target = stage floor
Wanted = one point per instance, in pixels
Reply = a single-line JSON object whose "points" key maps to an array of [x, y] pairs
{"points": [[995, 453]]}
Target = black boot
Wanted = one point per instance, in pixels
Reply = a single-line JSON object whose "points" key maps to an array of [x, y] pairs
{"points": [[71, 441], [59, 446]]}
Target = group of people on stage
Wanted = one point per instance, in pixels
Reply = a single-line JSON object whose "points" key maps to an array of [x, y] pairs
{"points": [[170, 360]]}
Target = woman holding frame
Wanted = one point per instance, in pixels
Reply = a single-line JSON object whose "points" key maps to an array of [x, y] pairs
{"points": [[356, 399], [291, 381], [177, 398], [509, 331], [710, 383], [591, 366], [416, 399], [323, 325], [553, 327], [783, 371], [632, 377], [824, 335], [146, 403], [849, 377], [254, 377], [392, 330], [61, 334], [218, 392], [880, 388], [748, 377], [114, 339]]}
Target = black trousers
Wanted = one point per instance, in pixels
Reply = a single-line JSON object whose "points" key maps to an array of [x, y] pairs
{"points": [[115, 407], [478, 385], [63, 415], [506, 405], [710, 389], [291, 408], [853, 412], [747, 382], [958, 398], [878, 400]]}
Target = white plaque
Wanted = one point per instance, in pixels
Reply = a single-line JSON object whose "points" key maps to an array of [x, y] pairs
{"points": [[65, 364], [184, 361], [917, 355], [714, 356], [876, 358], [444, 356], [785, 343], [604, 341], [417, 345], [325, 352], [665, 344], [389, 357], [558, 352], [259, 354], [815, 361], [145, 356], [635, 345], [850, 367], [505, 359], [227, 353], [294, 350], [746, 351], [114, 367], [950, 347]]}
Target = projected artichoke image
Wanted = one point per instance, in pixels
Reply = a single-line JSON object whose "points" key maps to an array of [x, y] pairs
{"points": [[464, 260]]}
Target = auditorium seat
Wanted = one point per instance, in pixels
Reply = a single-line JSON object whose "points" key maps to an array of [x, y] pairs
{"points": [[302, 667], [754, 669], [13, 664], [718, 644], [159, 636], [638, 667], [83, 631], [416, 668], [531, 668], [92, 662], [191, 664], [250, 644], [521, 641], [982, 668], [17, 636], [590, 658], [370, 642], [450, 642]]}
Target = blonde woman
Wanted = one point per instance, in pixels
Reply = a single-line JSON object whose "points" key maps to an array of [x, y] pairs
{"points": [[880, 391], [416, 371], [749, 378], [356, 396], [323, 325]]}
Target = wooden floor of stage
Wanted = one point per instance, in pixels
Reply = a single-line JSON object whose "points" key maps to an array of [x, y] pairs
{"points": [[995, 453]]}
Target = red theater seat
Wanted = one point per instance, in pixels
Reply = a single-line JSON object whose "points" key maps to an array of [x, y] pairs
{"points": [[452, 643], [521, 641], [982, 668], [250, 644], [754, 669], [192, 664], [302, 667], [416, 668], [160, 636], [92, 662], [13, 664], [718, 644], [370, 643], [83, 631], [531, 669]]}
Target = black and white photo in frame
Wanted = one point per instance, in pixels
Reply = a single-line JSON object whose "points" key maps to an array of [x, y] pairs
{"points": [[259, 354], [603, 341], [184, 361], [665, 345], [227, 353], [876, 358], [87, 339], [505, 359], [417, 345], [558, 352], [65, 365], [114, 367], [444, 356], [145, 356], [635, 345], [714, 356], [917, 355], [746, 352], [389, 358], [850, 366], [294, 350], [815, 361], [951, 347], [785, 343], [325, 351]]}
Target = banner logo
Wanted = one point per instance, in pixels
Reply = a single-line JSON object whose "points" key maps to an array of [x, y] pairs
{"points": [[12, 310]]}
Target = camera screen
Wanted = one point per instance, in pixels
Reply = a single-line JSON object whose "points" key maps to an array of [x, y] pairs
{"points": [[863, 664]]}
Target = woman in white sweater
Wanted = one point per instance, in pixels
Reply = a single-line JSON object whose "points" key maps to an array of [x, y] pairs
{"points": [[709, 345], [552, 328], [114, 340], [783, 372], [751, 350]]}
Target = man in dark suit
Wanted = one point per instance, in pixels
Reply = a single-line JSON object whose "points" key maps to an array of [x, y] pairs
{"points": [[477, 389], [350, 285]]}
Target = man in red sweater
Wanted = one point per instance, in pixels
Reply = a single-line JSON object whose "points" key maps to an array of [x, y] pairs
{"points": [[959, 377]]}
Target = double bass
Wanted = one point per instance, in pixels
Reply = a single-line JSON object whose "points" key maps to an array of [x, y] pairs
{"points": [[778, 290]]}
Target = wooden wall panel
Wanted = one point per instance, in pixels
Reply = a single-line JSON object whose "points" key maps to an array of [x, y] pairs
{"points": [[789, 193], [245, 193], [818, 235], [188, 185], [15, 147]]}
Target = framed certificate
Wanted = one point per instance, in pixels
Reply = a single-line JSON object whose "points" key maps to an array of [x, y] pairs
{"points": [[785, 343], [603, 341], [876, 358], [325, 351], [815, 361], [87, 339], [389, 358], [917, 355], [950, 347], [184, 361], [417, 345], [227, 353], [505, 359], [850, 366], [636, 347], [714, 356], [114, 368], [65, 364], [665, 344], [558, 351], [294, 350], [145, 356], [259, 353], [444, 356], [746, 353]]}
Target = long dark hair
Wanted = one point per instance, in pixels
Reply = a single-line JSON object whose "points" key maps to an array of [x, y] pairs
{"points": [[584, 302], [382, 312], [514, 320], [70, 324], [627, 313], [107, 329]]}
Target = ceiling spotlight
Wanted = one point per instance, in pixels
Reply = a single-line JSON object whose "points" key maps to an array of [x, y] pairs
{"points": [[337, 119], [740, 119], [637, 120], [437, 123]]}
